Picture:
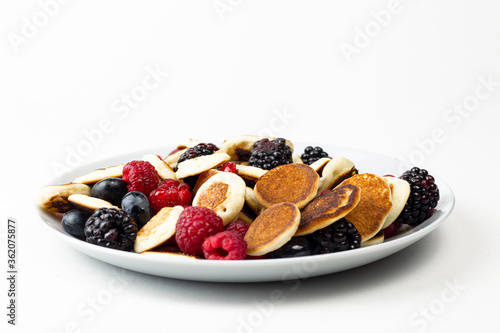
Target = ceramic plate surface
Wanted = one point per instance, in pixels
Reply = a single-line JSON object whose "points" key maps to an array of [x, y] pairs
{"points": [[259, 270]]}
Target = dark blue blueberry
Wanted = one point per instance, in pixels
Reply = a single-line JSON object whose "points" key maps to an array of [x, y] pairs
{"points": [[73, 222], [137, 205], [110, 189]]}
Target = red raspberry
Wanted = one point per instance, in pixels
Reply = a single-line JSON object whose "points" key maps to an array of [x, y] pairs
{"points": [[195, 224], [239, 227], [228, 167], [391, 230], [140, 176], [169, 194], [225, 245], [324, 192]]}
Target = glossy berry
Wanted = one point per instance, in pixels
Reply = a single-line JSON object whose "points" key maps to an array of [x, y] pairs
{"points": [[170, 193], [228, 167], [136, 204], [296, 247], [424, 196], [201, 149], [311, 154], [339, 236], [195, 224], [267, 154], [110, 189], [73, 222], [239, 227], [111, 228], [140, 176], [391, 230], [225, 245]]}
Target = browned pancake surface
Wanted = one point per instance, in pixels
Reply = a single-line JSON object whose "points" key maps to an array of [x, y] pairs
{"points": [[274, 226], [295, 183], [328, 208]]}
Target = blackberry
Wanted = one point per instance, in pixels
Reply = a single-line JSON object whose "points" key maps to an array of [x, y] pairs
{"points": [[424, 196], [112, 228], [339, 236], [296, 247], [200, 149], [267, 154], [311, 154]]}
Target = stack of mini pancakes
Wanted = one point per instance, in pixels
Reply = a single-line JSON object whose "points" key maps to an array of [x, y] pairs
{"points": [[279, 204]]}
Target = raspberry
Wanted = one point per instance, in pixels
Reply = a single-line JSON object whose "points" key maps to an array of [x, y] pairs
{"points": [[391, 230], [195, 224], [424, 196], [267, 154], [169, 194], [225, 245], [112, 228], [228, 167], [311, 154], [239, 227], [140, 176]]}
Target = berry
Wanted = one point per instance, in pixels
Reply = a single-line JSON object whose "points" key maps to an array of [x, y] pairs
{"points": [[296, 247], [311, 154], [225, 245], [200, 149], [169, 194], [339, 236], [424, 196], [136, 204], [324, 192], [111, 228], [391, 230], [239, 227], [195, 224], [140, 176], [228, 167], [73, 222], [267, 154], [110, 189]]}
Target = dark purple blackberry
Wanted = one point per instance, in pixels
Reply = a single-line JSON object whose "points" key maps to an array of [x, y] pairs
{"points": [[200, 149], [339, 236], [424, 196], [296, 247], [311, 154], [267, 154], [112, 228]]}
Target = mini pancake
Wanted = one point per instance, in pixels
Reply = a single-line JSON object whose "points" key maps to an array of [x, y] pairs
{"points": [[250, 174], [171, 159], [158, 230], [328, 208], [100, 174], [224, 193], [168, 251], [162, 168], [272, 228], [197, 165], [252, 202], [88, 203], [334, 172], [204, 176], [54, 198], [371, 212], [238, 147], [400, 192], [295, 183], [246, 215], [320, 164], [296, 158], [377, 239]]}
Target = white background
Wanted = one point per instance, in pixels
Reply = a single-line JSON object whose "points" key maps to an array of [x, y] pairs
{"points": [[249, 67]]}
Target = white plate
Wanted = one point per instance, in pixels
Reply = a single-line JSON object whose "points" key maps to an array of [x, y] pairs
{"points": [[260, 270]]}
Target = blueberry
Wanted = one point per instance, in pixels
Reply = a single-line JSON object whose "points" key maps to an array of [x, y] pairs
{"points": [[296, 247], [110, 189], [136, 204], [73, 222]]}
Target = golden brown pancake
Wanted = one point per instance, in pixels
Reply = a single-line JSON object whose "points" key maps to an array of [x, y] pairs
{"points": [[295, 183], [328, 208], [377, 239], [202, 178], [272, 228], [371, 212]]}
